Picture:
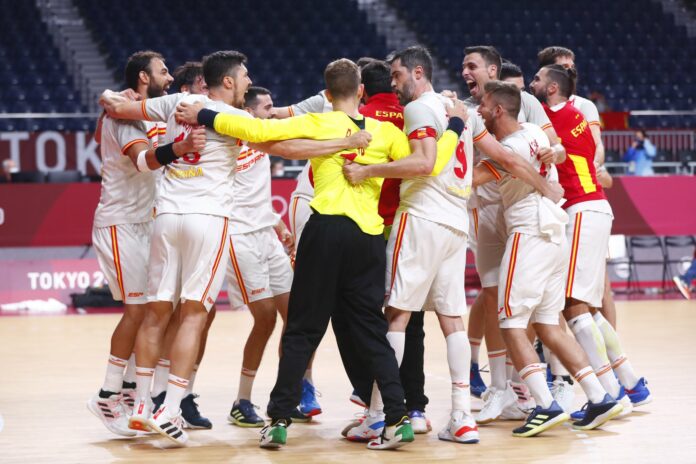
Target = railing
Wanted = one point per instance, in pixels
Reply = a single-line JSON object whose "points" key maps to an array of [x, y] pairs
{"points": [[672, 140]]}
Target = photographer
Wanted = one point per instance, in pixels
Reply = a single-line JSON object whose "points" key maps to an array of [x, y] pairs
{"points": [[640, 155]]}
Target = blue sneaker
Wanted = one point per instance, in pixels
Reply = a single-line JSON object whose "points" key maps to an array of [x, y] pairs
{"points": [[596, 414], [476, 384], [158, 400], [192, 417], [639, 394], [308, 404], [243, 414]]}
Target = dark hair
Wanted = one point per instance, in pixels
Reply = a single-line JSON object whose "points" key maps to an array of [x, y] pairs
{"points": [[490, 55], [548, 55], [413, 56], [252, 96], [364, 61], [139, 61], [564, 77], [509, 69], [376, 76], [342, 78], [186, 74], [219, 64], [506, 95]]}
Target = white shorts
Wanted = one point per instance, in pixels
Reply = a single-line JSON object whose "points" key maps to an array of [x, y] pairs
{"points": [[532, 279], [122, 252], [188, 258], [299, 215], [490, 243], [258, 267], [426, 262], [588, 240], [473, 230]]}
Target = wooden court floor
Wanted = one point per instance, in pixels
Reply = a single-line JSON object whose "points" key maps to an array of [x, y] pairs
{"points": [[51, 365]]}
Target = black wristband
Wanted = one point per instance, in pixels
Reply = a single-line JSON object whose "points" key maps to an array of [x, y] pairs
{"points": [[165, 154], [206, 117], [456, 124]]}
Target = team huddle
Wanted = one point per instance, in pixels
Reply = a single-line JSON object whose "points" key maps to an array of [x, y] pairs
{"points": [[400, 182]]}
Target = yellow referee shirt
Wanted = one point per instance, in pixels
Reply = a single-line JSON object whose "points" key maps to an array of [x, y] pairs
{"points": [[333, 194]]}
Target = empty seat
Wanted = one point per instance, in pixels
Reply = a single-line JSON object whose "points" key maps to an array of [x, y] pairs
{"points": [[36, 177], [63, 177]]}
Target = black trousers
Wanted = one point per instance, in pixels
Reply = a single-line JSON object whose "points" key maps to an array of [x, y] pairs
{"points": [[339, 272]]}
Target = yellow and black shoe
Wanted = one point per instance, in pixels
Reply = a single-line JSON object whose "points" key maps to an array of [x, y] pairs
{"points": [[541, 420], [243, 414]]}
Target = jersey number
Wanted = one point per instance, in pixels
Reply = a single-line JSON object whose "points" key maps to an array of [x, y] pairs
{"points": [[190, 158], [461, 167]]}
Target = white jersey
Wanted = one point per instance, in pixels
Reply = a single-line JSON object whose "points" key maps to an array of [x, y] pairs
{"points": [[196, 183], [524, 207], [440, 198], [127, 195], [531, 111], [305, 187], [252, 207], [587, 108]]}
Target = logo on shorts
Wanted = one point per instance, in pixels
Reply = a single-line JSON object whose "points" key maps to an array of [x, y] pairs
{"points": [[501, 312], [257, 291], [135, 294], [210, 300]]}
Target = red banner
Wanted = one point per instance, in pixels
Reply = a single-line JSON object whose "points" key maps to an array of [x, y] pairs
{"points": [[51, 151]]}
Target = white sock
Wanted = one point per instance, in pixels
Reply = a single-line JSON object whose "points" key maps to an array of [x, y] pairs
{"points": [[459, 361], [129, 376], [143, 381], [619, 361], [515, 377], [590, 384], [308, 376], [161, 377], [397, 340], [475, 345], [176, 388], [534, 375], [114, 374], [189, 389], [557, 367], [246, 381], [509, 367], [496, 362], [590, 339]]}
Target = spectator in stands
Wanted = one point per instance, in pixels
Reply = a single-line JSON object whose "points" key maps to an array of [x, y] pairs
{"points": [[683, 282], [600, 101], [277, 168], [8, 168], [640, 155]]}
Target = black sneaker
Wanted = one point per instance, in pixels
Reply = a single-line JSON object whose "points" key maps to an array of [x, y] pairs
{"points": [[192, 417], [541, 420], [158, 400], [297, 416], [597, 414], [243, 414]]}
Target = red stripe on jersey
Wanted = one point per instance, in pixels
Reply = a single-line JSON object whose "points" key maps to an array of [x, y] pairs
{"points": [[422, 133]]}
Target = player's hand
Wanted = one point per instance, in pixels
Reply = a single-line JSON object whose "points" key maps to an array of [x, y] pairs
{"points": [[547, 155], [554, 192], [449, 94], [187, 113], [195, 140], [360, 139], [458, 110], [109, 100], [130, 95], [285, 237], [354, 172]]}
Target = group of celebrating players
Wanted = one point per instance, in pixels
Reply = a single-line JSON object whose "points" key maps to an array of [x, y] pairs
{"points": [[515, 176]]}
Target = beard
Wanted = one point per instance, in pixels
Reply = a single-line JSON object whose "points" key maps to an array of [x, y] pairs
{"points": [[155, 90], [541, 95], [406, 93]]}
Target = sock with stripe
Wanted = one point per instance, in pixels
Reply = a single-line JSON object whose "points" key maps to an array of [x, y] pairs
{"points": [[509, 367], [590, 384], [397, 340], [459, 361], [246, 382], [496, 361], [143, 381], [129, 376], [114, 374], [590, 339], [189, 389], [475, 345], [161, 377], [619, 361], [176, 389], [534, 375]]}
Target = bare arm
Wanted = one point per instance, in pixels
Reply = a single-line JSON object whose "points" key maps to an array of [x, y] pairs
{"points": [[599, 150], [556, 154], [195, 141], [306, 149], [420, 162], [482, 175], [119, 107]]}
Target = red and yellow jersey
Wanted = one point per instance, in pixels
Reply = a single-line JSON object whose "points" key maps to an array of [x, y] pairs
{"points": [[577, 173]]}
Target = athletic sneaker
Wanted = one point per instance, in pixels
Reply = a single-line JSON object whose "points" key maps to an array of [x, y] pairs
{"points": [[639, 394], [274, 435], [525, 400], [597, 414], [169, 425], [308, 403], [368, 429], [461, 429], [297, 416], [158, 401], [625, 402], [564, 394], [682, 286], [128, 394], [419, 423], [354, 423], [355, 398], [541, 420], [476, 384], [191, 414], [243, 414], [140, 419], [393, 436], [494, 402], [111, 411], [514, 412]]}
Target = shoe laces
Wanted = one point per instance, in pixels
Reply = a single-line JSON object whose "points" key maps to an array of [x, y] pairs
{"points": [[247, 408]]}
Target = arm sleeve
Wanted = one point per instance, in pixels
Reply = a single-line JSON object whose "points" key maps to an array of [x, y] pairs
{"points": [[589, 110], [128, 133], [419, 116], [534, 112], [160, 108], [478, 128], [266, 130], [313, 104], [649, 148]]}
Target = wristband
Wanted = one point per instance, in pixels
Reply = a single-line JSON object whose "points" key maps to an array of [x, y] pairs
{"points": [[165, 154], [142, 162], [206, 117], [456, 125]]}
